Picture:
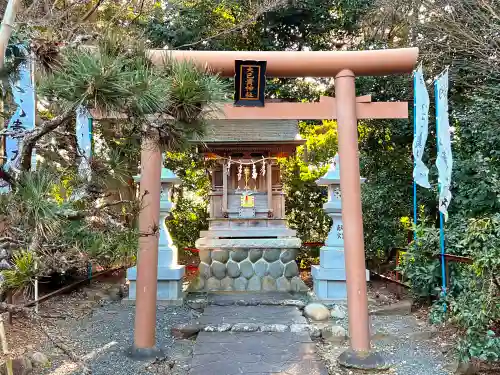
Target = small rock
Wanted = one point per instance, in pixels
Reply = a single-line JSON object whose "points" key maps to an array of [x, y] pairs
{"points": [[213, 284], [272, 255], [246, 268], [426, 334], [239, 255], [204, 270], [446, 347], [313, 331], [40, 359], [197, 284], [182, 351], [336, 334], [240, 284], [316, 311], [288, 255], [294, 302], [283, 284], [261, 267], [461, 368], [218, 269], [245, 327], [398, 308], [254, 284], [276, 269], [95, 295], [383, 337], [186, 330], [224, 327], [20, 366], [115, 293], [291, 269], [255, 255], [197, 304], [299, 328], [233, 269], [273, 328], [298, 285], [227, 283], [337, 312], [220, 255], [382, 298], [268, 284], [205, 257]]}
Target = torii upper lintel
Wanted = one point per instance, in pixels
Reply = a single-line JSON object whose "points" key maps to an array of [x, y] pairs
{"points": [[301, 63]]}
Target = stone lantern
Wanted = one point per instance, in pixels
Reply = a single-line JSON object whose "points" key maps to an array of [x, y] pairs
{"points": [[330, 276], [170, 273]]}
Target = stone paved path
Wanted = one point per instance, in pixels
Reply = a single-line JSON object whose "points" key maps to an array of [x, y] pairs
{"points": [[256, 353]]}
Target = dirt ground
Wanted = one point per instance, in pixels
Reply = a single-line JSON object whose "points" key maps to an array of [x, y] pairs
{"points": [[24, 336]]}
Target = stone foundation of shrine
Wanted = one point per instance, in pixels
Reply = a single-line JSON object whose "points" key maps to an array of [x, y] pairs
{"points": [[248, 264]]}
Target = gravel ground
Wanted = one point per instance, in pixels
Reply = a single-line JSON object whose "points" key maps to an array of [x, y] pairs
{"points": [[114, 322], [410, 347]]}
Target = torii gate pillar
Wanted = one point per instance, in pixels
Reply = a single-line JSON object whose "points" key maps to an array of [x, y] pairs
{"points": [[350, 188]]}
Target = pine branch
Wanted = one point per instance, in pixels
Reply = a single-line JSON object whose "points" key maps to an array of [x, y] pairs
{"points": [[84, 213], [7, 177], [22, 162]]}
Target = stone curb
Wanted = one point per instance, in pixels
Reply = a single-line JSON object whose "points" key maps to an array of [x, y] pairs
{"points": [[328, 332], [201, 303]]}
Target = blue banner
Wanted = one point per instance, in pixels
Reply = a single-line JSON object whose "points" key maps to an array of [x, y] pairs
{"points": [[84, 139], [23, 91]]}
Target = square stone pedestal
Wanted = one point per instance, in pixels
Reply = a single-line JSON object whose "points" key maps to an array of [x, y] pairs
{"points": [[330, 276], [169, 285]]}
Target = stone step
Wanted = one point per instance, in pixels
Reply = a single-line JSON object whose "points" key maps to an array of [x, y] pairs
{"points": [[201, 300], [260, 314]]}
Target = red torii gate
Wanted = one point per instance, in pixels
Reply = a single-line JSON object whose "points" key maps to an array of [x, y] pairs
{"points": [[345, 107]]}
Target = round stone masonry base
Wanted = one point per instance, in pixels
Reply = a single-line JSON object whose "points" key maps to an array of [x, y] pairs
{"points": [[362, 360], [143, 353], [256, 264]]}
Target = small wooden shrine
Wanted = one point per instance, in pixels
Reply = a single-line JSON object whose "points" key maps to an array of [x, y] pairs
{"points": [[247, 231], [246, 180]]}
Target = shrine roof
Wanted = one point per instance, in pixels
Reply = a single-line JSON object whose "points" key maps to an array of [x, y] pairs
{"points": [[250, 131]]}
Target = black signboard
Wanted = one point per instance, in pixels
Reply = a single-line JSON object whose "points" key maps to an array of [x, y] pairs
{"points": [[249, 83]]}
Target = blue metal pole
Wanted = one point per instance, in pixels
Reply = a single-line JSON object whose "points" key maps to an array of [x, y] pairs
{"points": [[415, 214], [441, 217]]}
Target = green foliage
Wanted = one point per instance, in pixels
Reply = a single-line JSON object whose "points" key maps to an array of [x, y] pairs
{"points": [[421, 266], [188, 218], [117, 77], [35, 203], [190, 214], [304, 198], [106, 81], [22, 272], [297, 24]]}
